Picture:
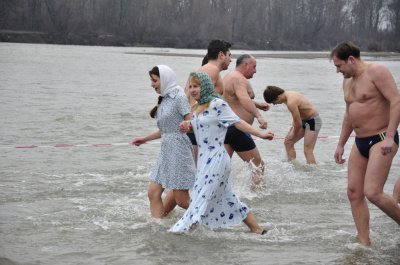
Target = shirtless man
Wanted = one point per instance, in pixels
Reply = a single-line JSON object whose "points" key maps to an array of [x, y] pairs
{"points": [[373, 112], [217, 59], [239, 94], [306, 121]]}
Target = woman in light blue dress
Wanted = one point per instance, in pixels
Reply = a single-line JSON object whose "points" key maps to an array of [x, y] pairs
{"points": [[175, 168], [213, 203]]}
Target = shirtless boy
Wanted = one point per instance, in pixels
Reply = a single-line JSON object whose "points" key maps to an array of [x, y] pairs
{"points": [[306, 121]]}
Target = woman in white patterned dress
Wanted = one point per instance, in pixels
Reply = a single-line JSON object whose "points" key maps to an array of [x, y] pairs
{"points": [[213, 202], [175, 165]]}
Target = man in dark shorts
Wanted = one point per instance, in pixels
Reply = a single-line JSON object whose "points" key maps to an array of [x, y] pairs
{"points": [[238, 140], [239, 94], [306, 121]]}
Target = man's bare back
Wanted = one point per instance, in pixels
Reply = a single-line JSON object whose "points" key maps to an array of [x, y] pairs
{"points": [[213, 72], [297, 100]]}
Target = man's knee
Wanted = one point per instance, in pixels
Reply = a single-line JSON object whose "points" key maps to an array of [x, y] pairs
{"points": [[251, 156], [288, 143], [257, 161], [373, 194]]}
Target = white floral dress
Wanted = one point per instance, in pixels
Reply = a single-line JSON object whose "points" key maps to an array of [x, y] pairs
{"points": [[213, 202]]}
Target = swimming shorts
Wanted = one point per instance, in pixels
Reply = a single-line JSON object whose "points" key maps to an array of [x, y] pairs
{"points": [[192, 137], [365, 144], [238, 140], [313, 124]]}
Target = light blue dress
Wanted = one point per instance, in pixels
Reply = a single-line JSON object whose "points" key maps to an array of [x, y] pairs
{"points": [[213, 202], [175, 167]]}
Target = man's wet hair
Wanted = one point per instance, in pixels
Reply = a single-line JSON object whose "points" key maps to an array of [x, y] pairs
{"points": [[216, 46], [346, 49], [242, 58], [271, 93]]}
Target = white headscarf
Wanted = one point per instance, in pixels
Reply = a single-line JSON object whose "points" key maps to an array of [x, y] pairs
{"points": [[167, 80]]}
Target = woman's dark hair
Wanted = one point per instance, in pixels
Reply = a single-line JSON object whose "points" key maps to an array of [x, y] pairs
{"points": [[153, 111]]}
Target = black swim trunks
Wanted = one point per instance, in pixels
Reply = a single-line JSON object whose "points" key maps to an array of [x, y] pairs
{"points": [[312, 124], [238, 140], [192, 138], [365, 144]]}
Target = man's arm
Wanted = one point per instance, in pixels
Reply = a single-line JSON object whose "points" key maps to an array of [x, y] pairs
{"points": [[345, 133], [293, 107], [219, 86], [261, 105], [385, 83], [244, 99]]}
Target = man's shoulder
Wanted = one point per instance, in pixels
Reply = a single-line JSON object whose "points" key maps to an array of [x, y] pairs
{"points": [[294, 95], [210, 69], [234, 75], [376, 70], [293, 98]]}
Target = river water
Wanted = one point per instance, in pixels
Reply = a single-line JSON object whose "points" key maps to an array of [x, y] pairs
{"points": [[80, 196]]}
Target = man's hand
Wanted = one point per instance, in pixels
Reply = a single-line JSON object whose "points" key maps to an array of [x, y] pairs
{"points": [[267, 135], [262, 105], [339, 155], [387, 145], [262, 122]]}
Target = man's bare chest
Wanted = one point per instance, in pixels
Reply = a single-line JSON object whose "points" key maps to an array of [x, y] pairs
{"points": [[360, 91]]}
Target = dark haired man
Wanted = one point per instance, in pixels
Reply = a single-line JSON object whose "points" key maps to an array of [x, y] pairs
{"points": [[373, 112], [306, 121], [216, 60]]}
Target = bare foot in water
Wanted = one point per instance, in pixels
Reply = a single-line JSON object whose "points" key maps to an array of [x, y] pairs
{"points": [[251, 222], [365, 242]]}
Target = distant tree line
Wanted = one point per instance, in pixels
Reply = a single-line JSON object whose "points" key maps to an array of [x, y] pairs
{"points": [[248, 24]]}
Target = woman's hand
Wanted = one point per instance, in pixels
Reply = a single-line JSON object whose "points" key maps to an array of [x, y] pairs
{"points": [[185, 126], [138, 141]]}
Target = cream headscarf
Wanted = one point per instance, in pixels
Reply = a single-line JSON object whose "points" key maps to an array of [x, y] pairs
{"points": [[167, 80]]}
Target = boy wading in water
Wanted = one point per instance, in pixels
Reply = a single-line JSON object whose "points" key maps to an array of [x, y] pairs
{"points": [[306, 121]]}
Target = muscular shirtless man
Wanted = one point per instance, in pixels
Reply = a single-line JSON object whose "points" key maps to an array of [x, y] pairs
{"points": [[373, 112], [239, 94]]}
